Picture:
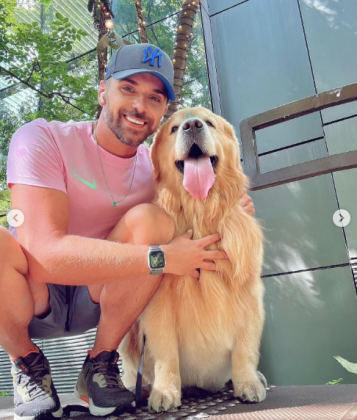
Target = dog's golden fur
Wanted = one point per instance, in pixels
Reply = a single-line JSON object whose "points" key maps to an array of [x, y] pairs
{"points": [[203, 333]]}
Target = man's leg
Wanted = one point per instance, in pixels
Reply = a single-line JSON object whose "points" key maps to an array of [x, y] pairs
{"points": [[20, 298], [121, 303]]}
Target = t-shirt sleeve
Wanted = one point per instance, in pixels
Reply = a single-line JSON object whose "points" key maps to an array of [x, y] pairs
{"points": [[34, 158]]}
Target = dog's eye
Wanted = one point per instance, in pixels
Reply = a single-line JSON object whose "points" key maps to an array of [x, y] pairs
{"points": [[174, 128], [209, 123]]}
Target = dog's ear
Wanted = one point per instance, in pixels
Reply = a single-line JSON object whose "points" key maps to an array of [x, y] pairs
{"points": [[154, 157], [230, 132], [242, 179]]}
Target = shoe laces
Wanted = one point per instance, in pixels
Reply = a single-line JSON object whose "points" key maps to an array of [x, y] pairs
{"points": [[32, 381], [110, 371]]}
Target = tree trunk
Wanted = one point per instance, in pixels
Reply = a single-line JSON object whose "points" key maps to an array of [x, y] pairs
{"points": [[99, 23], [182, 46], [139, 14]]}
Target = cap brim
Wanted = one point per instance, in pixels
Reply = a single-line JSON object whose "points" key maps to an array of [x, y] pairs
{"points": [[126, 73]]}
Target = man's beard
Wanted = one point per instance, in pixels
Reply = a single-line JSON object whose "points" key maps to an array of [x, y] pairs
{"points": [[127, 135]]}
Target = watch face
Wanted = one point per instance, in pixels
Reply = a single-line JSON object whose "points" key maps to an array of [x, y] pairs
{"points": [[157, 259]]}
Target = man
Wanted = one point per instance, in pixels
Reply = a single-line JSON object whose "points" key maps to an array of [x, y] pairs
{"points": [[81, 258]]}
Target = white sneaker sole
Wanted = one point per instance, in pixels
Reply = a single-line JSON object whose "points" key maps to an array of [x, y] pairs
{"points": [[100, 411], [93, 409], [57, 414]]}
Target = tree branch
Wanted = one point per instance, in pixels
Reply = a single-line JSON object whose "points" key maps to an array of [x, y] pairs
{"points": [[182, 46], [157, 41], [24, 82], [48, 96], [192, 80], [139, 14]]}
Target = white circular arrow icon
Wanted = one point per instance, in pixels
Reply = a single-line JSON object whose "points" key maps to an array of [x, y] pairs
{"points": [[15, 218], [341, 218]]}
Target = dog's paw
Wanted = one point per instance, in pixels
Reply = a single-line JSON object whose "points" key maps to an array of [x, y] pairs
{"points": [[253, 391], [262, 379], [164, 399]]}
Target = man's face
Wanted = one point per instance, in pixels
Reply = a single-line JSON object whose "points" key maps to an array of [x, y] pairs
{"points": [[134, 107]]}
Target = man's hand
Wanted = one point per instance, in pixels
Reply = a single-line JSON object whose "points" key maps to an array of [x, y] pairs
{"points": [[247, 203], [184, 255]]}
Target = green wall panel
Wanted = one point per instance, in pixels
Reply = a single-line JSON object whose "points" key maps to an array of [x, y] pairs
{"points": [[297, 216], [216, 6], [310, 317], [346, 187], [331, 36], [292, 156], [262, 63], [342, 137]]}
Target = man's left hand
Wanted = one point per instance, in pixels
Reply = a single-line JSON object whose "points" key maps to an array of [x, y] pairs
{"points": [[247, 203]]}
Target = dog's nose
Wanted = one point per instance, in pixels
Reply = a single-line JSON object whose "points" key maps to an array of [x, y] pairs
{"points": [[192, 124]]}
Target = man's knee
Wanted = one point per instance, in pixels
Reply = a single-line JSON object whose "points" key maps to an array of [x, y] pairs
{"points": [[11, 252], [145, 224]]}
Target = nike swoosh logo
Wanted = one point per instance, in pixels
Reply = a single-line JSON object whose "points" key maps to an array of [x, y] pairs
{"points": [[92, 185]]}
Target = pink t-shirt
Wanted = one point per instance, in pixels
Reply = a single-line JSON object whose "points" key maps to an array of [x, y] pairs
{"points": [[64, 156]]}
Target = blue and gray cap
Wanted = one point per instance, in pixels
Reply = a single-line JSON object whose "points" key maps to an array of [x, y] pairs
{"points": [[142, 58]]}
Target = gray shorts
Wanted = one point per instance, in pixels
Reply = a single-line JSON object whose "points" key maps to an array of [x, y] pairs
{"points": [[72, 312]]}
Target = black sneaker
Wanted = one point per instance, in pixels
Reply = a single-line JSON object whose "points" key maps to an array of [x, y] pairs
{"points": [[34, 393], [100, 385]]}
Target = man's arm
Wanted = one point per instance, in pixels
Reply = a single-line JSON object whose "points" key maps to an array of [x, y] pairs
{"points": [[56, 257]]}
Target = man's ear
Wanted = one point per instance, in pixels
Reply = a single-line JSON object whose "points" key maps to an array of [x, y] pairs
{"points": [[153, 155], [101, 91]]}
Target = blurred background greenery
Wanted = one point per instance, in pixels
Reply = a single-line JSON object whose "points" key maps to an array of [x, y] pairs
{"points": [[49, 65]]}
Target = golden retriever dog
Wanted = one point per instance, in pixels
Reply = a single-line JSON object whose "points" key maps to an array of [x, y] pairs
{"points": [[204, 332]]}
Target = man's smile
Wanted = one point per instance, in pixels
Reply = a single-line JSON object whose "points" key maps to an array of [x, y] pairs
{"points": [[135, 122]]}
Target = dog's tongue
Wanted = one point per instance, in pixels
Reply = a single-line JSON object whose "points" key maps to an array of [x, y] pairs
{"points": [[198, 177]]}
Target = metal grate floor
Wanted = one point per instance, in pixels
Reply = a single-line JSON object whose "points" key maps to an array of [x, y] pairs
{"points": [[320, 402]]}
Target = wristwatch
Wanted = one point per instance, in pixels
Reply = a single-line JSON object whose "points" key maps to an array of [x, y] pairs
{"points": [[156, 260]]}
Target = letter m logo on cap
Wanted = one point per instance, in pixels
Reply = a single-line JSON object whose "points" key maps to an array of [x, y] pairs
{"points": [[150, 55]]}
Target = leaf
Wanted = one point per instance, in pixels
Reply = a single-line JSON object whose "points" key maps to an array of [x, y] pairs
{"points": [[103, 43], [335, 382], [351, 367]]}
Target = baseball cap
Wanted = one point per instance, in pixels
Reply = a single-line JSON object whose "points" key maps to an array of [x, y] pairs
{"points": [[133, 59]]}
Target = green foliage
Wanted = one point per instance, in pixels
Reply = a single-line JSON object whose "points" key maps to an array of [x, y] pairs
{"points": [[45, 2], [10, 121], [3, 394], [335, 382], [153, 10], [4, 207], [33, 54], [350, 367]]}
